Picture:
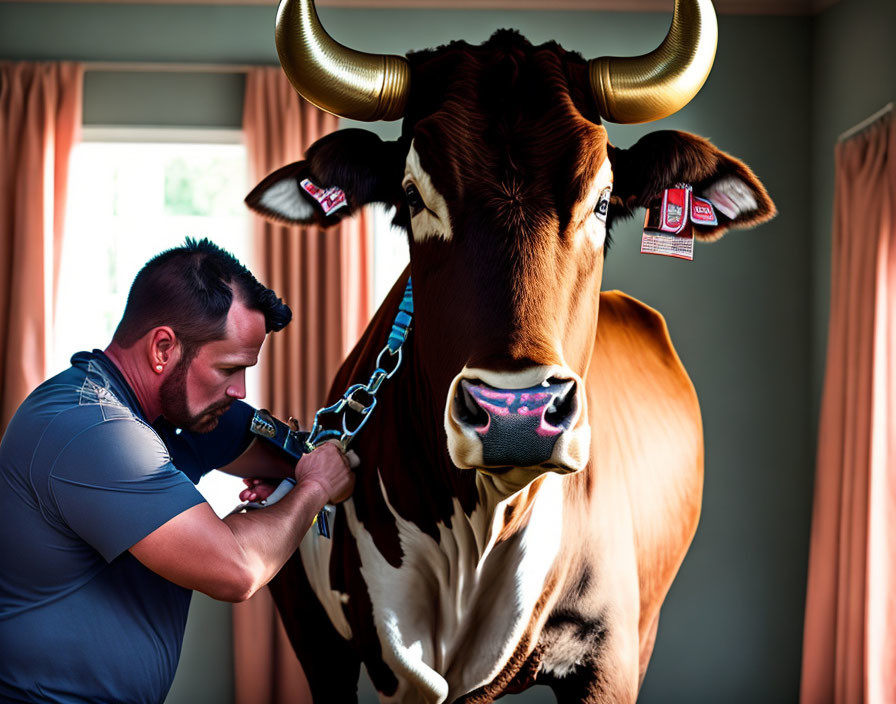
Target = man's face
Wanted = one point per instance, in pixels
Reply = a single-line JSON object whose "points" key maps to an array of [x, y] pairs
{"points": [[199, 391]]}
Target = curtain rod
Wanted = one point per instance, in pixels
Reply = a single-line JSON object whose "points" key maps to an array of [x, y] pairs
{"points": [[867, 122], [153, 67]]}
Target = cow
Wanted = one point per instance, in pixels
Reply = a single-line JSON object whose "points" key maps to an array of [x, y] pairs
{"points": [[532, 473]]}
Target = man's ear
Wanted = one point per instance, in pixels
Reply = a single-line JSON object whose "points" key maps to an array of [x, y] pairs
{"points": [[340, 173], [162, 346], [660, 160]]}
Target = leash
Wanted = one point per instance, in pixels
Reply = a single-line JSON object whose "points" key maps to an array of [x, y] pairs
{"points": [[349, 414]]}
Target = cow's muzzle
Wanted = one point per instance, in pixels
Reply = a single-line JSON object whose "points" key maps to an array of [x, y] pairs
{"points": [[499, 421], [518, 427]]}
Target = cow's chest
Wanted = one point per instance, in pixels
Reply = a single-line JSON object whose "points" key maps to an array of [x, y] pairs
{"points": [[452, 614]]}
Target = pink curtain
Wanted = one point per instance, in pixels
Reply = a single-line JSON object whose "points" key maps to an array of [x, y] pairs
{"points": [[325, 277], [849, 644], [40, 121]]}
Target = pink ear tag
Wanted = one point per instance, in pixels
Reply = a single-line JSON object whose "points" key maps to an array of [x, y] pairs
{"points": [[667, 225], [702, 212], [674, 210], [329, 199]]}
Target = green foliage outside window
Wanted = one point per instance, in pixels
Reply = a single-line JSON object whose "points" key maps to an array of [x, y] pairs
{"points": [[202, 187]]}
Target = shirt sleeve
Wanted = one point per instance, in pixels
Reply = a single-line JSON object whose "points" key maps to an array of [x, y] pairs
{"points": [[198, 453], [114, 484]]}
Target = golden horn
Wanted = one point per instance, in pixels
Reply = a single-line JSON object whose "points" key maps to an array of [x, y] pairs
{"points": [[333, 77], [652, 86]]}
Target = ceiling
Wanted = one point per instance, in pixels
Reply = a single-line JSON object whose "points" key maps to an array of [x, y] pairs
{"points": [[723, 7]]}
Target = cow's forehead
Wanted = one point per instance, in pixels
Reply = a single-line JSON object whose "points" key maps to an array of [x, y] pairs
{"points": [[526, 173], [506, 122]]}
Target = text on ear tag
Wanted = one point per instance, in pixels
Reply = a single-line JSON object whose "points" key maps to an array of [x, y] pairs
{"points": [[702, 212], [680, 246]]}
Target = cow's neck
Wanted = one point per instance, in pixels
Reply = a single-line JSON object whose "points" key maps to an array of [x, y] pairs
{"points": [[406, 472], [480, 556], [492, 505]]}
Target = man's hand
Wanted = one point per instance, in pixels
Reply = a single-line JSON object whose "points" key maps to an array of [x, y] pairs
{"points": [[258, 489], [330, 469]]}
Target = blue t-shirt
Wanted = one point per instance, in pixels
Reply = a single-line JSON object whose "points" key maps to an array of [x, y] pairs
{"points": [[84, 477]]}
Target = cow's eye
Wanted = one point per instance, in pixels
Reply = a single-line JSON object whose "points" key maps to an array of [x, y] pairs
{"points": [[603, 204], [415, 200]]}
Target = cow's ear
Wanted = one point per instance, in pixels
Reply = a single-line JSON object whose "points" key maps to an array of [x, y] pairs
{"points": [[281, 197], [340, 173], [663, 159]]}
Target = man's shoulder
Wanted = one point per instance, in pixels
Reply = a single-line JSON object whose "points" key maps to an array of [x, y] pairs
{"points": [[74, 428], [81, 403], [81, 393], [101, 426]]}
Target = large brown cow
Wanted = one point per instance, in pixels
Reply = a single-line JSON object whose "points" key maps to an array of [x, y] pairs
{"points": [[531, 480]]}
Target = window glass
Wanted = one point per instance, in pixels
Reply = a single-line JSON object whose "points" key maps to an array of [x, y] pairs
{"points": [[390, 252]]}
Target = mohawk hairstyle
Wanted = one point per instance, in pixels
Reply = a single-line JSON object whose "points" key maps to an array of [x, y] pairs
{"points": [[190, 289]]}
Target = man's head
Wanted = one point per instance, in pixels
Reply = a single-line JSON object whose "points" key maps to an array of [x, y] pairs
{"points": [[195, 319]]}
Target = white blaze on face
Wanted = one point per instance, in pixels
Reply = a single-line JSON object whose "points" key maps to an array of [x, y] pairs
{"points": [[432, 219], [592, 211], [450, 617]]}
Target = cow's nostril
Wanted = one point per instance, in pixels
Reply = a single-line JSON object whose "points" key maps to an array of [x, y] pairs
{"points": [[467, 409], [563, 405]]}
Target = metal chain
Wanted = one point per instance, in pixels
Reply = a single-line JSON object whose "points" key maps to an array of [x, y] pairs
{"points": [[360, 399]]}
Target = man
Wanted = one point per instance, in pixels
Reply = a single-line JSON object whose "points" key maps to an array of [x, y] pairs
{"points": [[105, 534]]}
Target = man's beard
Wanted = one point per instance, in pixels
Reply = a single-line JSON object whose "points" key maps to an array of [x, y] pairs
{"points": [[173, 397]]}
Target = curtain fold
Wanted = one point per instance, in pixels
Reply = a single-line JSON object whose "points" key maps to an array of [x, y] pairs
{"points": [[325, 277], [849, 644], [40, 122]]}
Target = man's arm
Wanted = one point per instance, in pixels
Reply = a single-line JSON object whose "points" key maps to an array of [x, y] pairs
{"points": [[231, 559], [263, 466], [261, 459]]}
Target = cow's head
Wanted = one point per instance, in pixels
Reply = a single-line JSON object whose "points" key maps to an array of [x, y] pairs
{"points": [[506, 184]]}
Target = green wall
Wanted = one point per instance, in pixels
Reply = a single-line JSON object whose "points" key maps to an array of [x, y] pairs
{"points": [[741, 315]]}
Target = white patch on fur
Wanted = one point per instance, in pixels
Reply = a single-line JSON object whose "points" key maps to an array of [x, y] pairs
{"points": [[315, 551], [283, 197], [565, 655], [732, 197], [452, 615], [595, 229], [433, 220]]}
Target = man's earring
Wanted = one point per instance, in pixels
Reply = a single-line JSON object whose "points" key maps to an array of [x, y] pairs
{"points": [[159, 368]]}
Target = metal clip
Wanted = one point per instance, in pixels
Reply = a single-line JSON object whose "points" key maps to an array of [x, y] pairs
{"points": [[379, 360], [262, 424], [323, 522]]}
